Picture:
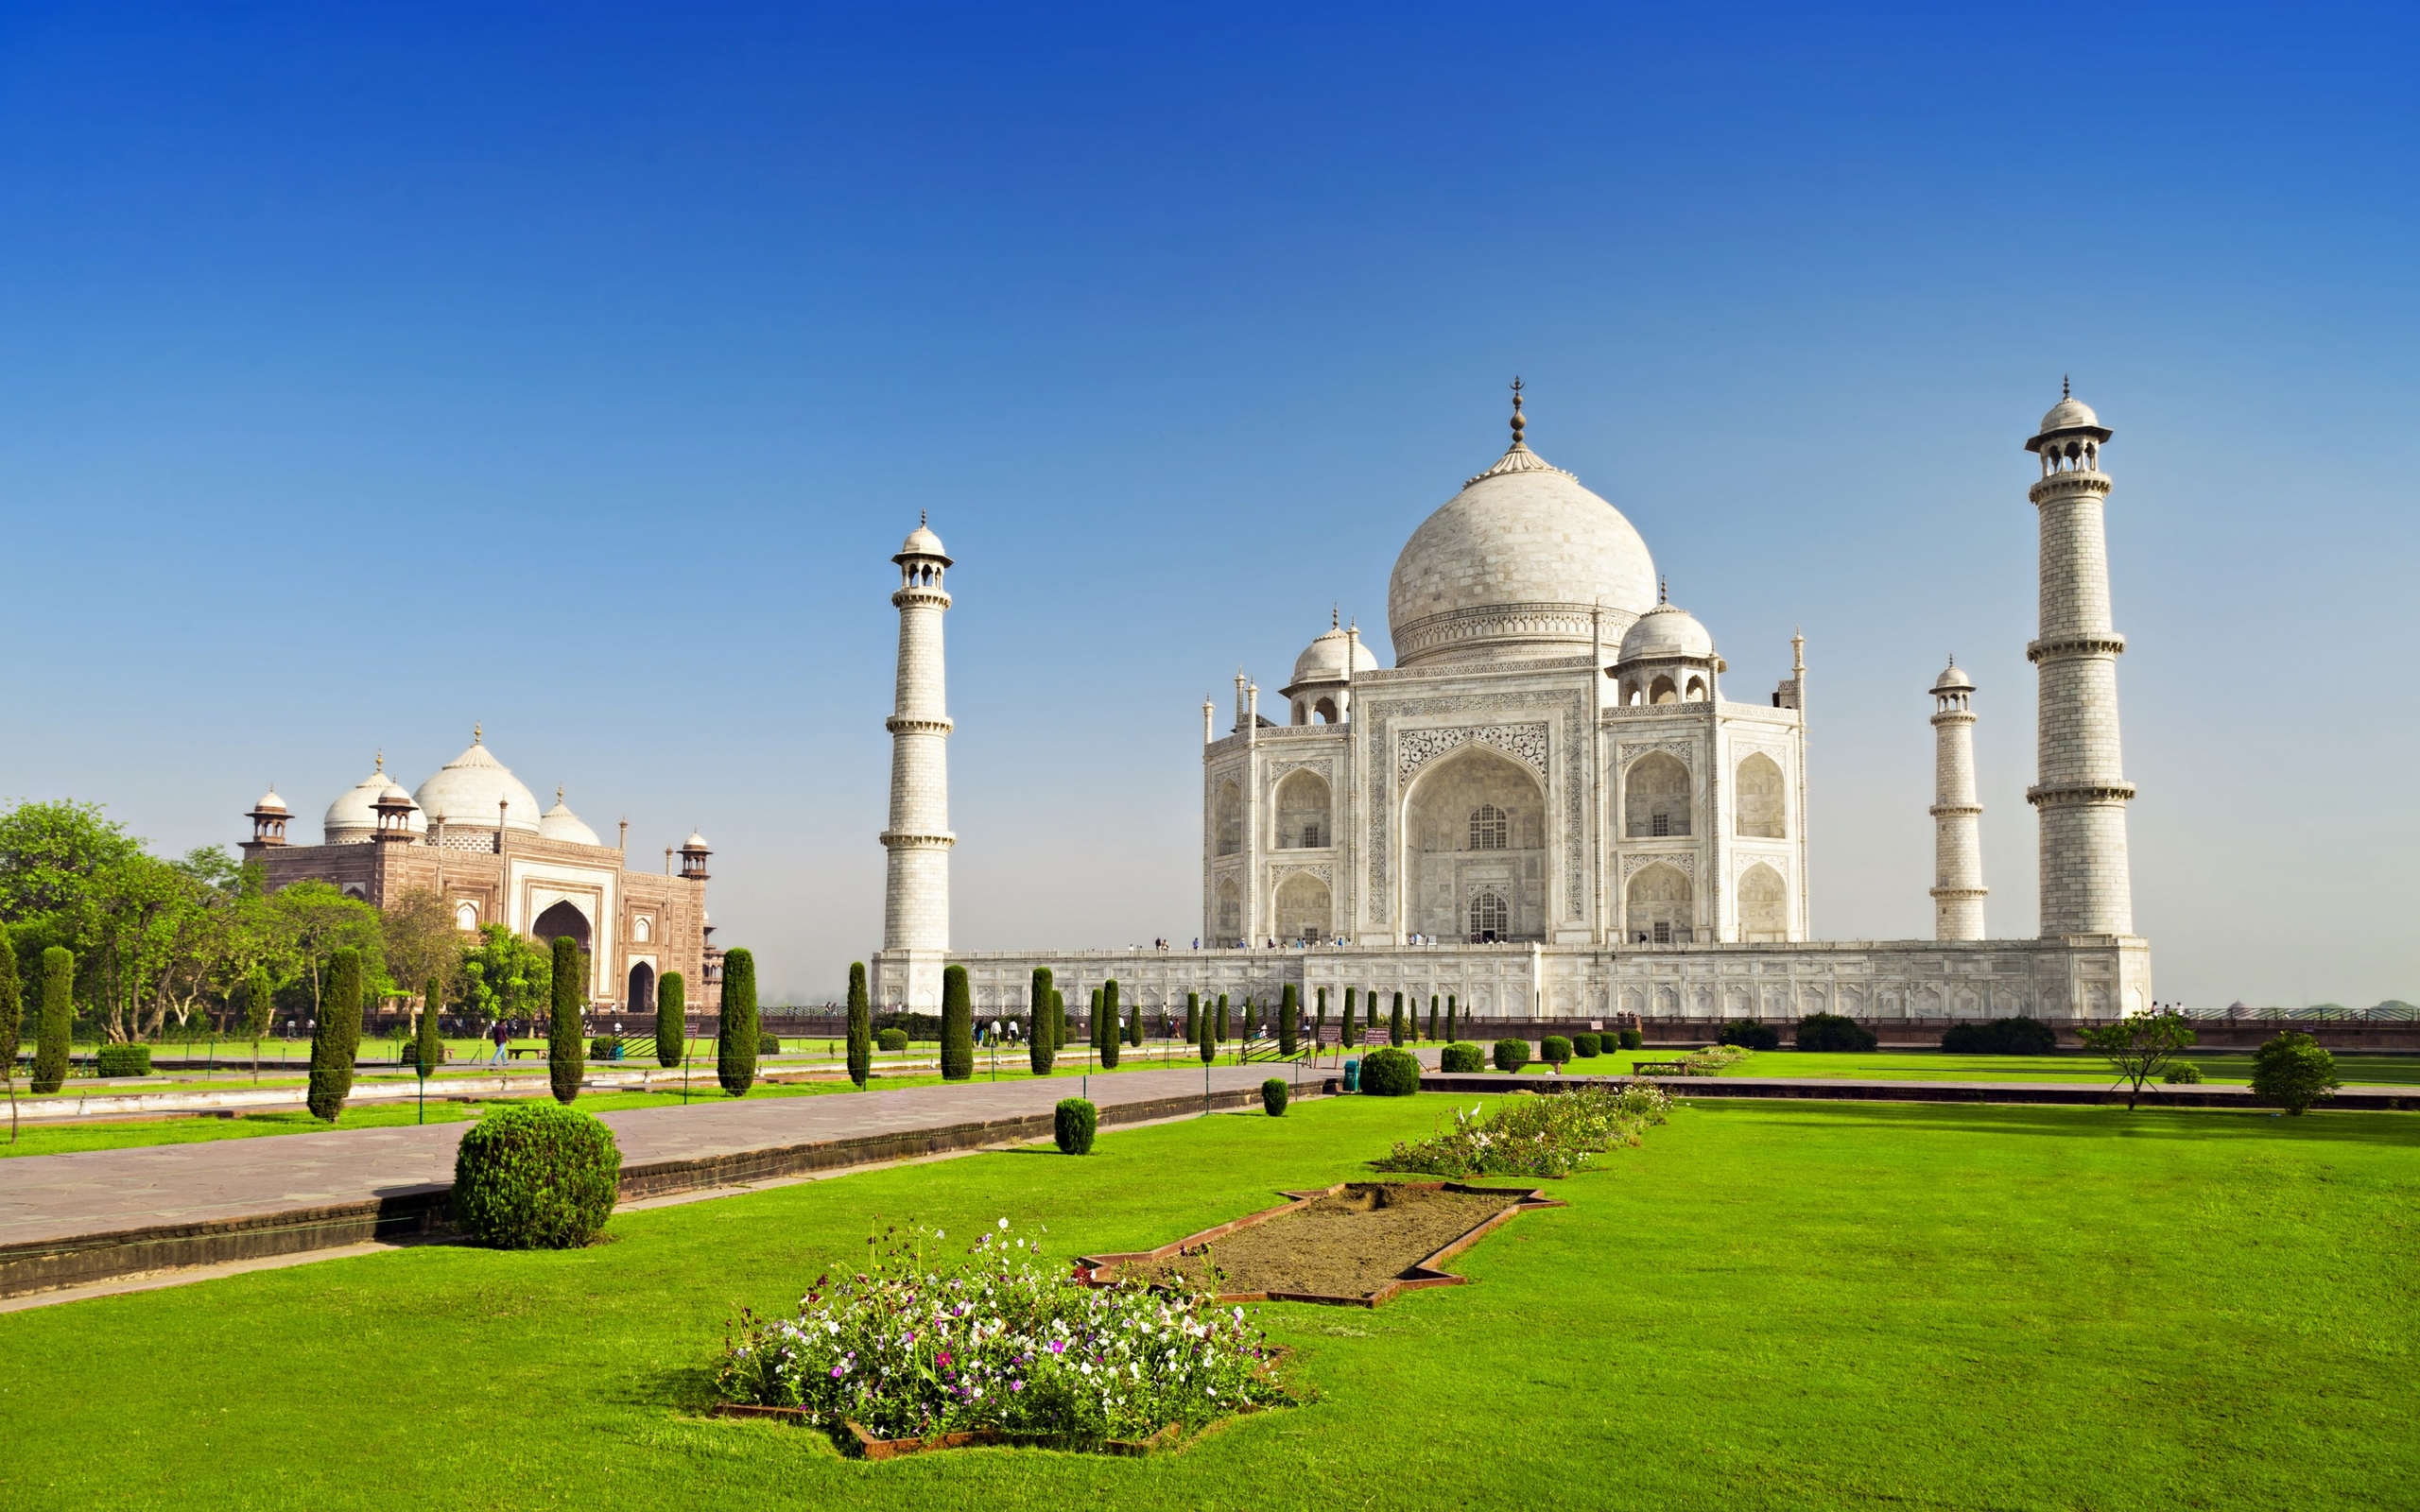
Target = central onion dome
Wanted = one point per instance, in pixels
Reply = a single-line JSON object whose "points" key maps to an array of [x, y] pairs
{"points": [[465, 791], [1513, 567]]}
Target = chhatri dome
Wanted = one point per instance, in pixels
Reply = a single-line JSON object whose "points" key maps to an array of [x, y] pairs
{"points": [[1513, 565], [465, 791], [560, 823], [1324, 660], [352, 818], [1666, 631]]}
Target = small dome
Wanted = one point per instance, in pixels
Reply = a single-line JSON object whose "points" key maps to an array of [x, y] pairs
{"points": [[921, 541], [2069, 413], [694, 842], [1324, 660], [1953, 680], [465, 791], [560, 823], [1667, 632], [352, 818], [269, 803]]}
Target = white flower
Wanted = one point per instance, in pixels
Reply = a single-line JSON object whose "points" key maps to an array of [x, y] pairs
{"points": [[1004, 1225]]}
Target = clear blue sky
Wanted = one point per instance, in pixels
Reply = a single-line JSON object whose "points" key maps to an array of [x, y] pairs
{"points": [[366, 372]]}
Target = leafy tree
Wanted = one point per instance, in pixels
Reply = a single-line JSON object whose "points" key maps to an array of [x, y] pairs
{"points": [[671, 1020], [1040, 1051], [312, 921], [49, 852], [566, 1048], [860, 1026], [1111, 1029], [957, 1025], [739, 1035], [335, 1037], [12, 1024], [1290, 1022], [260, 1010], [58, 1020], [2139, 1047], [428, 1049], [505, 978], [420, 939], [2292, 1072]]}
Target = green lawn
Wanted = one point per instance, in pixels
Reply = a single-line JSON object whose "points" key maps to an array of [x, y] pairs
{"points": [[1767, 1305], [2225, 1066]]}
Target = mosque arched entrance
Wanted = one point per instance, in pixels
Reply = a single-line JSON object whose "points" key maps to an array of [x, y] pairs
{"points": [[1475, 850], [563, 919], [642, 990]]}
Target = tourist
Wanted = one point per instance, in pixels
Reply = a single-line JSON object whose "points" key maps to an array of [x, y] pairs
{"points": [[503, 1038]]}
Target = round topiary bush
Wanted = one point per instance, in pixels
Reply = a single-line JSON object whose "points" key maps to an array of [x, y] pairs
{"points": [[1630, 1039], [2292, 1072], [1587, 1047], [768, 1044], [1461, 1055], [892, 1039], [1073, 1125], [1554, 1050], [602, 1048], [1511, 1055], [536, 1176], [1749, 1035], [2000, 1037], [2184, 1073], [1389, 1073], [1272, 1097], [1833, 1031], [123, 1060]]}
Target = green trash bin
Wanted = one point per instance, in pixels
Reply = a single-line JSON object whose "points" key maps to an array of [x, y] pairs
{"points": [[1353, 1076]]}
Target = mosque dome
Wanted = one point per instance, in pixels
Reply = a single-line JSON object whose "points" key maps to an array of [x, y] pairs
{"points": [[1665, 633], [1953, 680], [1324, 660], [560, 823], [1516, 565], [465, 791], [352, 818]]}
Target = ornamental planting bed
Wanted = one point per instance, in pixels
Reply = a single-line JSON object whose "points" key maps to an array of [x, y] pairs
{"points": [[1357, 1243]]}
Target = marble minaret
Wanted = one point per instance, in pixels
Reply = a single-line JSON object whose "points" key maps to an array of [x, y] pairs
{"points": [[2080, 789], [915, 911], [1957, 818]]}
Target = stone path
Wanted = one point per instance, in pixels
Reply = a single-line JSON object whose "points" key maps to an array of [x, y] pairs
{"points": [[54, 1198]]}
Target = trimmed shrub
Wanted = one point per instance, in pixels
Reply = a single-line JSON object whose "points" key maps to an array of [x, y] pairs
{"points": [[1511, 1055], [1394, 1022], [736, 1038], [1387, 1072], [1073, 1125], [336, 1037], [2184, 1073], [1192, 1018], [530, 1175], [1272, 1097], [56, 1020], [1209, 1041], [957, 1025], [1222, 1018], [1058, 1019], [1833, 1031], [2000, 1037], [1749, 1035], [768, 1044], [894, 1040], [1289, 1022], [1352, 1031], [1587, 1047], [1040, 1050], [1554, 1050], [2292, 1072], [1449, 1018], [123, 1060], [428, 1048], [860, 1026], [1461, 1055], [1109, 1030], [1135, 1026], [565, 1063], [1432, 1017], [671, 1020], [602, 1047], [1630, 1039], [12, 1021]]}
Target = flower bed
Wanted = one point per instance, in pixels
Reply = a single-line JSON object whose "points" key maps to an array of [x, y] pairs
{"points": [[1008, 1348], [1547, 1135]]}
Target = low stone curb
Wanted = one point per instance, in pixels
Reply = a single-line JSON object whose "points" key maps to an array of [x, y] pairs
{"points": [[85, 1259]]}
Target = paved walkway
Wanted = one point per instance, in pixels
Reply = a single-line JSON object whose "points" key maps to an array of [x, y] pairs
{"points": [[46, 1198]]}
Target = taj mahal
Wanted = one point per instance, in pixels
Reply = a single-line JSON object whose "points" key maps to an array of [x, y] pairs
{"points": [[1551, 805]]}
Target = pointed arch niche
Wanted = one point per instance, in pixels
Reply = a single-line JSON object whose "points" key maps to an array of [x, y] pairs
{"points": [[1475, 822]]}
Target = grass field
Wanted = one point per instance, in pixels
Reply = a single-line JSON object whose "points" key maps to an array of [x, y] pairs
{"points": [[1768, 1306]]}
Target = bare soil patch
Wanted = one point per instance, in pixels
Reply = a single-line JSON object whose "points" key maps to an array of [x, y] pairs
{"points": [[1360, 1243]]}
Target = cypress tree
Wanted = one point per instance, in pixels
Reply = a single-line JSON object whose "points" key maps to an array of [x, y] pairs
{"points": [[1432, 1015], [738, 1033], [1394, 1022], [957, 1025], [335, 1037], [429, 1047], [1349, 1037], [860, 1026], [1208, 1041], [567, 1052], [1113, 1031], [671, 1020], [1290, 1014], [1039, 1047], [1323, 1024], [1449, 1018], [260, 1007], [1222, 1018], [1058, 1019], [1134, 1026], [58, 1020], [12, 1024], [1192, 1018]]}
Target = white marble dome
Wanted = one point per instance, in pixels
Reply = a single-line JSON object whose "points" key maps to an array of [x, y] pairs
{"points": [[560, 823], [1667, 632], [1953, 680], [1324, 660], [465, 791], [1512, 566], [2069, 413], [921, 541], [352, 818]]}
